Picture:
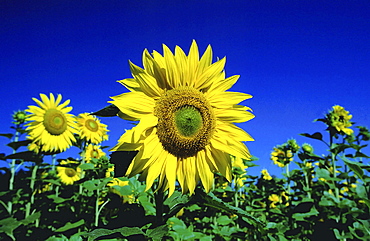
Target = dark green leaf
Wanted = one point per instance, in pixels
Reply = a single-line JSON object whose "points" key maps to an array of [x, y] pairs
{"points": [[316, 135], [30, 219], [157, 233], [8, 135], [108, 111], [69, 226], [211, 200], [15, 145], [354, 166], [8, 225], [25, 155]]}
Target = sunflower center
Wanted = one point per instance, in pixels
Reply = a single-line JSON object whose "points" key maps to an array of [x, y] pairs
{"points": [[188, 120], [55, 122], [91, 125], [70, 172], [185, 121], [94, 153]]}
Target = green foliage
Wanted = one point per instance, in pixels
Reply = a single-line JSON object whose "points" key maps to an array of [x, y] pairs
{"points": [[317, 195]]}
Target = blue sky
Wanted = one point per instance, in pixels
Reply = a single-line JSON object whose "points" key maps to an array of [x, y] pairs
{"points": [[297, 58]]}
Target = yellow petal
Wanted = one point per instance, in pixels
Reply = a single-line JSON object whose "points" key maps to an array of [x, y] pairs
{"points": [[134, 104]]}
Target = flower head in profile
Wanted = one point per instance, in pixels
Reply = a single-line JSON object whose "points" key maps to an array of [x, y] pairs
{"points": [[186, 119], [239, 171], [266, 175], [339, 119], [69, 172], [91, 128], [92, 151], [51, 127], [281, 156]]}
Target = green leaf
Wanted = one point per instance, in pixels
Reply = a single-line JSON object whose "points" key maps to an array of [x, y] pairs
{"points": [[157, 233], [15, 145], [30, 219], [224, 220], [125, 231], [8, 135], [316, 135], [147, 205], [302, 216], [361, 191], [108, 111], [211, 200], [57, 199], [8, 225], [25, 155], [69, 226], [354, 166], [91, 185], [87, 166]]}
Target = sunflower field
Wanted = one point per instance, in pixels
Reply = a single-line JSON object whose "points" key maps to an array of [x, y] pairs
{"points": [[182, 171]]}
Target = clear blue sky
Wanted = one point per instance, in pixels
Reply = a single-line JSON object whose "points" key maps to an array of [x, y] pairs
{"points": [[297, 58]]}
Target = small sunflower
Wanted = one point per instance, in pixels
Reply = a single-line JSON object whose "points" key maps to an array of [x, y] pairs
{"points": [[339, 118], [67, 173], [92, 151], [91, 128], [51, 127], [281, 157], [266, 175], [186, 117]]}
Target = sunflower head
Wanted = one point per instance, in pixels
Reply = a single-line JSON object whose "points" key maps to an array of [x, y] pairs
{"points": [[266, 175], [69, 172], [91, 129], [186, 117], [92, 151], [19, 117], [338, 119], [50, 125]]}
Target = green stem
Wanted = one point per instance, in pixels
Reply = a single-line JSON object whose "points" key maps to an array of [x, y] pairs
{"points": [[97, 212], [12, 172], [32, 187], [333, 159], [288, 176], [53, 162]]}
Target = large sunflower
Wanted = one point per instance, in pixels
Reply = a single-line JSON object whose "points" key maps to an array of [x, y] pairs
{"points": [[185, 128], [51, 127], [91, 128]]}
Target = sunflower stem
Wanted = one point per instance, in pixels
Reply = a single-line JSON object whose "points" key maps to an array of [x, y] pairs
{"points": [[53, 161], [12, 171], [32, 187], [97, 211]]}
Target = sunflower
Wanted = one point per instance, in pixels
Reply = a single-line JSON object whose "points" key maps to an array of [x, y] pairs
{"points": [[339, 118], [91, 129], [68, 173], [281, 156], [186, 117], [51, 127], [266, 175], [92, 151]]}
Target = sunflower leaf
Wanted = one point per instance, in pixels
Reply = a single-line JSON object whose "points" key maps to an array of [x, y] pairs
{"points": [[211, 200], [108, 111], [15, 145], [8, 135], [69, 226], [25, 155], [316, 135]]}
